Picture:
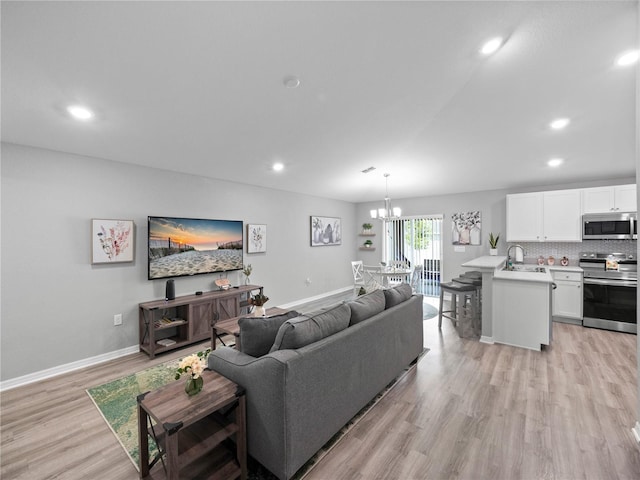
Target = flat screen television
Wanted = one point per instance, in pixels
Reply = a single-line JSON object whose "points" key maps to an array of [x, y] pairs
{"points": [[179, 247]]}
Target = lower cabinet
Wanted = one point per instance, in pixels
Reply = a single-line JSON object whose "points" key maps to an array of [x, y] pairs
{"points": [[567, 297]]}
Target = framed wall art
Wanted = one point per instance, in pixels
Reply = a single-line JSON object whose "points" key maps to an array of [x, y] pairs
{"points": [[256, 238], [325, 231], [112, 241], [466, 228]]}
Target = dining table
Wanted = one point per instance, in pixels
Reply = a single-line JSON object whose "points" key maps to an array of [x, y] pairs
{"points": [[387, 274]]}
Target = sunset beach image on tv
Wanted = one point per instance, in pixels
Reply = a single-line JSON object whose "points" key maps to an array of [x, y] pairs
{"points": [[191, 246]]}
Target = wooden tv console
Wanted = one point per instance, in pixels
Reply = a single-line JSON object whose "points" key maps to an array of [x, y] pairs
{"points": [[169, 324]]}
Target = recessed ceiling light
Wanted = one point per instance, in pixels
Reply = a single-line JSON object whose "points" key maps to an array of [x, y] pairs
{"points": [[491, 46], [291, 81], [79, 112], [277, 167], [555, 162], [628, 58], [559, 123]]}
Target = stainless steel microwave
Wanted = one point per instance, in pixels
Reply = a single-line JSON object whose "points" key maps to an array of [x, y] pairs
{"points": [[610, 226]]}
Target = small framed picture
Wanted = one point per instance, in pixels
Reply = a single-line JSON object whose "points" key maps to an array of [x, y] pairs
{"points": [[256, 238], [112, 241], [326, 231]]}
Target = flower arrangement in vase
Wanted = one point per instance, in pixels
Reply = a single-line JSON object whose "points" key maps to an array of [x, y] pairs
{"points": [[193, 366], [246, 270], [258, 300], [366, 228]]}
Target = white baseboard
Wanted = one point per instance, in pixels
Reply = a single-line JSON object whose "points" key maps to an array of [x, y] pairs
{"points": [[87, 362], [636, 431], [66, 368], [317, 297], [488, 340]]}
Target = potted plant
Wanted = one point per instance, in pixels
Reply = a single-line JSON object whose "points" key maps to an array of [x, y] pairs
{"points": [[368, 243], [493, 244], [366, 228], [258, 300]]}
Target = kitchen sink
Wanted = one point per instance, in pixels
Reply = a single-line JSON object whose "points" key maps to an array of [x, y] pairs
{"points": [[526, 268]]}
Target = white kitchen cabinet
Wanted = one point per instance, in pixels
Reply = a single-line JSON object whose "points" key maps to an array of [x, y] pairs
{"points": [[618, 198], [552, 216], [567, 297], [524, 217]]}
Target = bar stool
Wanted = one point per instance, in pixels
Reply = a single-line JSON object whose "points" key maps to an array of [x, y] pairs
{"points": [[463, 305], [477, 283]]}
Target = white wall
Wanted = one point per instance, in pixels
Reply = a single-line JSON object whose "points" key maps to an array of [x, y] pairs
{"points": [[57, 308]]}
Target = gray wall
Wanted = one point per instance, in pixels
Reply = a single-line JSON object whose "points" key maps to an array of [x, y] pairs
{"points": [[57, 308]]}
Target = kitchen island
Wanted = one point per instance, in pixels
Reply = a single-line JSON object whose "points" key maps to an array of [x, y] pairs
{"points": [[516, 304], [522, 307]]}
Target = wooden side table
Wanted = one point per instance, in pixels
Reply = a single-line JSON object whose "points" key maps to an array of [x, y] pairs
{"points": [[190, 431], [230, 326]]}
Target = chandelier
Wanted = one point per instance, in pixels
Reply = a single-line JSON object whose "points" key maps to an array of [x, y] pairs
{"points": [[387, 212]]}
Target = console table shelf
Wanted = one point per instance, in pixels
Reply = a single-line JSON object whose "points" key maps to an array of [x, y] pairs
{"points": [[193, 315]]}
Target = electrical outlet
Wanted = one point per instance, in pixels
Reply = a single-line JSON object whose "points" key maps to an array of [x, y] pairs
{"points": [[117, 319], [308, 281]]}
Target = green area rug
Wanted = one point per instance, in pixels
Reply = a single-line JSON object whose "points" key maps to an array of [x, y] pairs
{"points": [[116, 401]]}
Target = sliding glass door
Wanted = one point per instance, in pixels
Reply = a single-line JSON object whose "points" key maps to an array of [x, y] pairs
{"points": [[418, 241]]}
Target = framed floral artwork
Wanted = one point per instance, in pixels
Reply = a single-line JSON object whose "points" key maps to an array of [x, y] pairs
{"points": [[466, 228], [326, 231], [112, 241], [256, 238]]}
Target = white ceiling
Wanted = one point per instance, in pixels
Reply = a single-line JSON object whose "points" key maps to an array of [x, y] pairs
{"points": [[197, 87]]}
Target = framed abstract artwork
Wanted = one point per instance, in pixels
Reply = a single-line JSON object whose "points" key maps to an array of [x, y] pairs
{"points": [[326, 231], [112, 241], [256, 238]]}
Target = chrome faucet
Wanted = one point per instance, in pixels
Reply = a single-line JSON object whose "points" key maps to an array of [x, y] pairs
{"points": [[508, 262]]}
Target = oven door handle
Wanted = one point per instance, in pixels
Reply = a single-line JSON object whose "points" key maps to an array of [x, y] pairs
{"points": [[612, 283]]}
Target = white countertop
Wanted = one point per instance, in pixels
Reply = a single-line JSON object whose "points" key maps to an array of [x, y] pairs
{"points": [[513, 275], [488, 261], [568, 268]]}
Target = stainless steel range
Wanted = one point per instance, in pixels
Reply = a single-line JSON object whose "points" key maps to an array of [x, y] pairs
{"points": [[609, 294]]}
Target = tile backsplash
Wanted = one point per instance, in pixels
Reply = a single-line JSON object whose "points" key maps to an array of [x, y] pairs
{"points": [[532, 250]]}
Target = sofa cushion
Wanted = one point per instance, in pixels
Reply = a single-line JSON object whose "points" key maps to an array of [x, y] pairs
{"points": [[306, 329], [394, 296], [366, 306], [259, 333]]}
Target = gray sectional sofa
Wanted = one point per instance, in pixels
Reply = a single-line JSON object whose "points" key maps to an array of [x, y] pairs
{"points": [[308, 375]]}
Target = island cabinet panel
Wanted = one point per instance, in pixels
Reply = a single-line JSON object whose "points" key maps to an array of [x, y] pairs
{"points": [[552, 216], [169, 324]]}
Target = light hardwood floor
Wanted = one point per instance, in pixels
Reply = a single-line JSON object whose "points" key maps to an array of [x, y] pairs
{"points": [[468, 411]]}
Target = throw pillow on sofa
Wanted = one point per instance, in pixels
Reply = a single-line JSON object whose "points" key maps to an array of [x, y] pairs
{"points": [[366, 306], [307, 329], [394, 296], [259, 333]]}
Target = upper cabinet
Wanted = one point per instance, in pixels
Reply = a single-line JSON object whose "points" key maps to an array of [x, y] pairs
{"points": [[544, 216], [619, 198]]}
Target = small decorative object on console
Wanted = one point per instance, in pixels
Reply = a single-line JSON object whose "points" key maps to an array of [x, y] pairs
{"points": [[223, 283]]}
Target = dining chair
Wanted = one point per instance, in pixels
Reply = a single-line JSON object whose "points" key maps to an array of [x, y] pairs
{"points": [[416, 279], [372, 278], [357, 268]]}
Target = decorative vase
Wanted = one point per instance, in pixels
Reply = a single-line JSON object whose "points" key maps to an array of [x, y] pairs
{"points": [[246, 280], [194, 385], [493, 251], [259, 311]]}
